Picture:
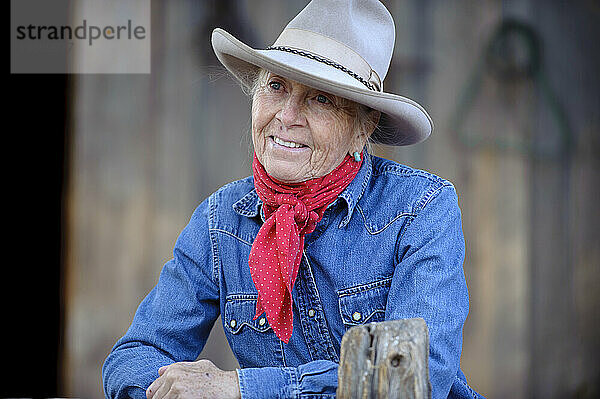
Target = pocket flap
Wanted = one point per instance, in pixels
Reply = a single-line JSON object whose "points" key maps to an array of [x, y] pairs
{"points": [[239, 314], [365, 303]]}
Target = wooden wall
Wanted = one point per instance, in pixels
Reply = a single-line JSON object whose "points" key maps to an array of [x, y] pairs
{"points": [[146, 150]]}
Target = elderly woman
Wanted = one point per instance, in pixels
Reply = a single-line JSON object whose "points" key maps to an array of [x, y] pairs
{"points": [[323, 236]]}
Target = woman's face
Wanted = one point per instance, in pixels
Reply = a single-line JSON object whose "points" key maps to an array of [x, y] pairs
{"points": [[300, 133]]}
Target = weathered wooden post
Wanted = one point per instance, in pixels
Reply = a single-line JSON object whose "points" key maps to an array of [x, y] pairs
{"points": [[388, 360]]}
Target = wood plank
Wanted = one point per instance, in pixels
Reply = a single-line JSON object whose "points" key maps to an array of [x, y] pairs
{"points": [[388, 359]]}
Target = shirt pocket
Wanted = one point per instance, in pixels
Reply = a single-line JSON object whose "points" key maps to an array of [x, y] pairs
{"points": [[253, 342], [364, 303]]}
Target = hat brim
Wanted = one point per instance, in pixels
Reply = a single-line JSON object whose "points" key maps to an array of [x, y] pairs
{"points": [[403, 121]]}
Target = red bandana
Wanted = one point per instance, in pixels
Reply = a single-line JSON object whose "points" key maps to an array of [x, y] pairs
{"points": [[291, 211]]}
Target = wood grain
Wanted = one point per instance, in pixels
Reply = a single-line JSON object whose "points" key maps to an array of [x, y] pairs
{"points": [[385, 360]]}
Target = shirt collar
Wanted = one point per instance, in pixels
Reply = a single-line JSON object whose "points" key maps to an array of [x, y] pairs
{"points": [[250, 205]]}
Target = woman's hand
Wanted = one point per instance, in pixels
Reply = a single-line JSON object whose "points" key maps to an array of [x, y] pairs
{"points": [[200, 379]]}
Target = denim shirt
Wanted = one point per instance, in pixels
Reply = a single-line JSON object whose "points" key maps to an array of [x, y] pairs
{"points": [[389, 247]]}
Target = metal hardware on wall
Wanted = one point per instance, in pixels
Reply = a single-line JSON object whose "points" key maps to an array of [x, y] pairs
{"points": [[513, 55]]}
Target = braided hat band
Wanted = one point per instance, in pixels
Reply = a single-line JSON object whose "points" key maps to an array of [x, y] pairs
{"points": [[325, 61]]}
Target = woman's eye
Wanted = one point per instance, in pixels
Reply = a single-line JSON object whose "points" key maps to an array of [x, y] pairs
{"points": [[322, 99], [275, 85]]}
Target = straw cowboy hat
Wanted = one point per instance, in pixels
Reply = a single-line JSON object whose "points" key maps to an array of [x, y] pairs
{"points": [[343, 47]]}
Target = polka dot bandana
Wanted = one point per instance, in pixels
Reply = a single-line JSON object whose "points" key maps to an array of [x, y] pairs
{"points": [[291, 211]]}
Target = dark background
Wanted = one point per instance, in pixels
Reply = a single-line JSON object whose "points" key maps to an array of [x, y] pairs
{"points": [[33, 191]]}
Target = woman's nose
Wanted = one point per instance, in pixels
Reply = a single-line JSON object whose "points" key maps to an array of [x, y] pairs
{"points": [[292, 113]]}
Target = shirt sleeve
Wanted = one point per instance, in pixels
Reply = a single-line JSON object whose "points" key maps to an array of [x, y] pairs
{"points": [[316, 379], [173, 322], [429, 282]]}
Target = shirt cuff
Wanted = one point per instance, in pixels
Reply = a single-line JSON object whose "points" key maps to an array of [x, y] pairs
{"points": [[268, 382]]}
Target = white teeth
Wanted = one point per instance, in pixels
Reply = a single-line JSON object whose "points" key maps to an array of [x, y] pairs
{"points": [[289, 144]]}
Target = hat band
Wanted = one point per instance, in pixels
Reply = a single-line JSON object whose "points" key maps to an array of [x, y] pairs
{"points": [[329, 51], [326, 61]]}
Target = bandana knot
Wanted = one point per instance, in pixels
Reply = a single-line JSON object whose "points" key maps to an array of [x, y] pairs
{"points": [[301, 213], [291, 211]]}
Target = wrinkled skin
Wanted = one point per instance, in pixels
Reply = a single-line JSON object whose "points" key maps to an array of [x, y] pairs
{"points": [[198, 380], [296, 113]]}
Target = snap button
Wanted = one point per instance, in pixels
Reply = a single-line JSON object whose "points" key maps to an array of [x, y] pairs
{"points": [[232, 323], [356, 316], [311, 312], [262, 321]]}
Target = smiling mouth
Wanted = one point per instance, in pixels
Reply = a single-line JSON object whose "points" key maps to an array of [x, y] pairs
{"points": [[289, 144]]}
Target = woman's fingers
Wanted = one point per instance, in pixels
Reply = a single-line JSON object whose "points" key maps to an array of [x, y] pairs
{"points": [[159, 388], [151, 391], [194, 380], [163, 391]]}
